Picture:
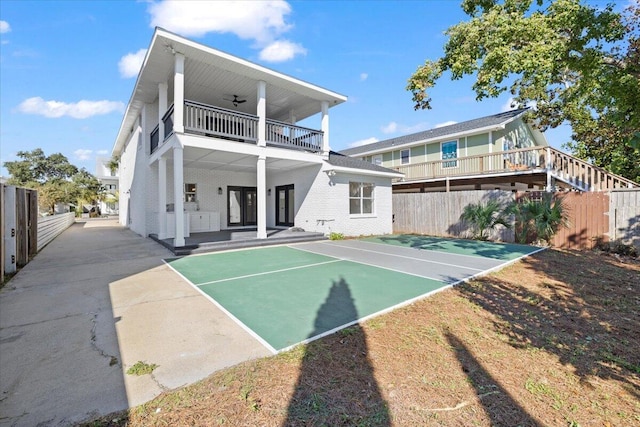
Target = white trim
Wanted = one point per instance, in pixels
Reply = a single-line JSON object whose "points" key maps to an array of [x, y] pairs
{"points": [[491, 142], [356, 171]]}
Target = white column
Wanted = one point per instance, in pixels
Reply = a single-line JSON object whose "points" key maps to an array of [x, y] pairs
{"points": [[163, 90], [162, 198], [262, 114], [178, 94], [261, 174], [292, 117], [325, 127], [549, 180], [178, 199]]}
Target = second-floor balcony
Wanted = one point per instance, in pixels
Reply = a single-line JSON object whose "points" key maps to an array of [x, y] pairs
{"points": [[222, 123], [536, 160]]}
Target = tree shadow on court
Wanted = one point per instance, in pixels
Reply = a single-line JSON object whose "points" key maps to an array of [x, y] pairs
{"points": [[501, 408], [336, 384]]}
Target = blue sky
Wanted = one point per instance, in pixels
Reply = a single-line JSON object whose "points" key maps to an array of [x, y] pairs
{"points": [[67, 69]]}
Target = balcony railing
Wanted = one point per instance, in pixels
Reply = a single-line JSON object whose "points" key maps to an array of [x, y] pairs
{"points": [[219, 122], [155, 138], [291, 136], [561, 165]]}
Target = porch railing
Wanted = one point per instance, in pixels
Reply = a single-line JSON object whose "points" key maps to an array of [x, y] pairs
{"points": [[540, 159], [220, 122], [292, 136]]}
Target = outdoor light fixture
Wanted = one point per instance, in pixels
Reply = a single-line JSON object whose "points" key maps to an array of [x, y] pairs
{"points": [[269, 192], [220, 190]]}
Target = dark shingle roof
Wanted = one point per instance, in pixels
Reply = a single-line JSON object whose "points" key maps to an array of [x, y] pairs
{"points": [[441, 132], [340, 160]]}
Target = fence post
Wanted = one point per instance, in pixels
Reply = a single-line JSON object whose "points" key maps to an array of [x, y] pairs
{"points": [[10, 229]]}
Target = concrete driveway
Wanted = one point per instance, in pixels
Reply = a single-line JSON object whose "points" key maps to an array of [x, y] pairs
{"points": [[94, 302]]}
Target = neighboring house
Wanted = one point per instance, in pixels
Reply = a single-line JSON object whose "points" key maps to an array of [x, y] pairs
{"points": [[210, 141], [109, 180], [502, 151]]}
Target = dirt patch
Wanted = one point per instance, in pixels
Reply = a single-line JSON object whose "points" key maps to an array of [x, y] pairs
{"points": [[550, 340]]}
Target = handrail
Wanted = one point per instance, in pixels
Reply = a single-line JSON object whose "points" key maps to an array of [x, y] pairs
{"points": [[585, 174], [220, 122], [292, 136]]}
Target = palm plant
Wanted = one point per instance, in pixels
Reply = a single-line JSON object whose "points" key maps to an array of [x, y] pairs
{"points": [[484, 217], [539, 219]]}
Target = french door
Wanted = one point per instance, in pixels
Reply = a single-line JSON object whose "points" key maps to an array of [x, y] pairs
{"points": [[284, 205], [242, 206]]}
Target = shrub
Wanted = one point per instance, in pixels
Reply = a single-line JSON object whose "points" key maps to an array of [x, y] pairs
{"points": [[484, 217], [539, 219], [336, 236], [616, 247]]}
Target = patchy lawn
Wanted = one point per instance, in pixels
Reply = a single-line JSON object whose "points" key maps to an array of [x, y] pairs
{"points": [[551, 340]]}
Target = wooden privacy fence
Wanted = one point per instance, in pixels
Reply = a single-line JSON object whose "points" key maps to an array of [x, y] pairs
{"points": [[22, 232], [438, 214], [607, 215]]}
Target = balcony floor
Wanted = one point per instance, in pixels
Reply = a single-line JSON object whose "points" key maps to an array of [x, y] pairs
{"points": [[214, 241]]}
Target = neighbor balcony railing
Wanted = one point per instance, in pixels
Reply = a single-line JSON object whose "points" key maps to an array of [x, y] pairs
{"points": [[222, 123], [537, 159]]}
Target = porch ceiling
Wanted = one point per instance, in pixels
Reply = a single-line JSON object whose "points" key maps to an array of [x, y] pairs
{"points": [[200, 158]]}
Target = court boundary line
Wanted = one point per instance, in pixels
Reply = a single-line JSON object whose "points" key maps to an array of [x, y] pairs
{"points": [[238, 322], [398, 256], [407, 302], [335, 259], [450, 253], [371, 265], [361, 319]]}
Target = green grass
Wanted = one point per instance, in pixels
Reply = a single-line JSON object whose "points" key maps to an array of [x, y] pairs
{"points": [[141, 368]]}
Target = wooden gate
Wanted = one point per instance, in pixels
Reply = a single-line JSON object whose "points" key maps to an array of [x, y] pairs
{"points": [[588, 219]]}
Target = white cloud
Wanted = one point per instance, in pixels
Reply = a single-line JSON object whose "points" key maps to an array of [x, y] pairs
{"points": [[390, 128], [103, 152], [447, 123], [78, 110], [261, 21], [130, 64], [363, 76], [82, 154], [281, 50], [362, 142], [4, 27], [394, 127]]}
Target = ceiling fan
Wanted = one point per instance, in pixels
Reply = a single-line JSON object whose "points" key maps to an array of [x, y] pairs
{"points": [[235, 100]]}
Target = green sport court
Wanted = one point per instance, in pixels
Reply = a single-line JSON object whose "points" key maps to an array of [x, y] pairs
{"points": [[285, 295]]}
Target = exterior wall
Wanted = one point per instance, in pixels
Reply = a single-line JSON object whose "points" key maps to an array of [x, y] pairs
{"points": [[477, 144], [418, 154], [517, 133], [325, 208], [207, 183], [133, 173]]}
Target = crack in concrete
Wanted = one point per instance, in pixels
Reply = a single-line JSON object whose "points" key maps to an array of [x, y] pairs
{"points": [[113, 360], [158, 383]]}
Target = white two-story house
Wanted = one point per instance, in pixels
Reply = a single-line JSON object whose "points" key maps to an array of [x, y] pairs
{"points": [[212, 142], [108, 178]]}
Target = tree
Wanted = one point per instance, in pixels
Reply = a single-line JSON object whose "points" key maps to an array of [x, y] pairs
{"points": [[35, 167], [574, 63], [56, 180], [484, 217]]}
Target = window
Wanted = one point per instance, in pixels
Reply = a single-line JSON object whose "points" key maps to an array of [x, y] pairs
{"points": [[449, 151], [404, 157], [360, 198], [377, 160], [190, 193]]}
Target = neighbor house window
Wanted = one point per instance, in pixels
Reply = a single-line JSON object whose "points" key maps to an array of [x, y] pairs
{"points": [[360, 198], [404, 157], [377, 160], [450, 151]]}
